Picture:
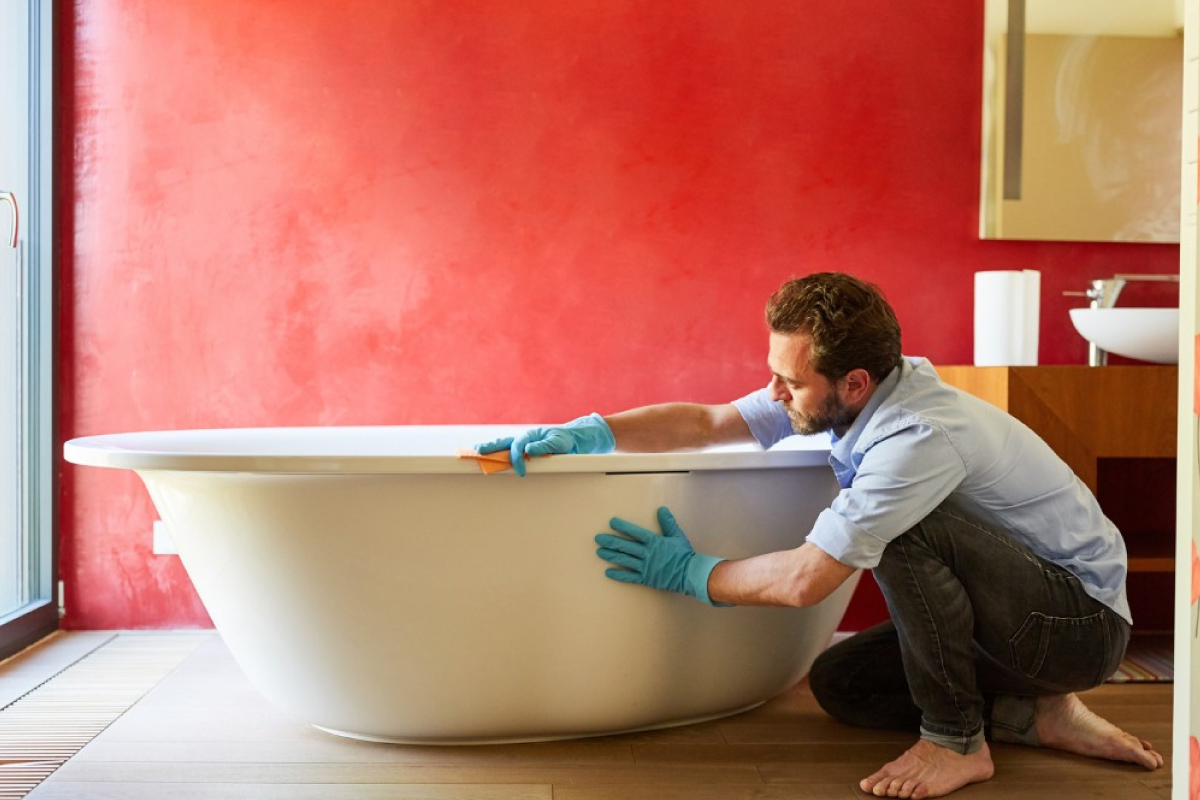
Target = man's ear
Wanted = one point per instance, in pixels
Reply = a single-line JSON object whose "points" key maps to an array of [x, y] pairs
{"points": [[856, 386]]}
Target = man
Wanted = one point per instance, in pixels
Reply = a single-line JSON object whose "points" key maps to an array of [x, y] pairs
{"points": [[1004, 581]]}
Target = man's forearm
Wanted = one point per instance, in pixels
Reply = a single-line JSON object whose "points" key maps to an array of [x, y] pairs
{"points": [[801, 577], [677, 426]]}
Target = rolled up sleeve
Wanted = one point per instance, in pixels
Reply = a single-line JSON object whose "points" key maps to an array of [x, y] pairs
{"points": [[767, 420], [900, 479]]}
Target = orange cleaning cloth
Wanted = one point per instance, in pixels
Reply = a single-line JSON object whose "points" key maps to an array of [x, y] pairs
{"points": [[488, 462], [491, 462]]}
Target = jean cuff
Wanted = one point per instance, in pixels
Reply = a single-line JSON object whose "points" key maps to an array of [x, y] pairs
{"points": [[963, 745], [1012, 720]]}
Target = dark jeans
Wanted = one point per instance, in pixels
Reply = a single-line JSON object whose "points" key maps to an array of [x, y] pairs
{"points": [[981, 625]]}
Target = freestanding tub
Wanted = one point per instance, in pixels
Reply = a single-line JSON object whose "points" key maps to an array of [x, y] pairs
{"points": [[374, 585]]}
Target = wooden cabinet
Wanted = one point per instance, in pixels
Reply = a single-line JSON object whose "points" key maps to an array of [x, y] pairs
{"points": [[1115, 426], [1084, 413]]}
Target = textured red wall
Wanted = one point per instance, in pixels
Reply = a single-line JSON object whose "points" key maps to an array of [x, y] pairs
{"points": [[294, 212]]}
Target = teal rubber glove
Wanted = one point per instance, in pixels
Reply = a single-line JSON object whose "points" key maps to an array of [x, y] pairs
{"points": [[666, 562], [589, 434]]}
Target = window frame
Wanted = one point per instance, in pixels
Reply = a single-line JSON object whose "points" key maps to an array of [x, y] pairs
{"points": [[39, 617]]}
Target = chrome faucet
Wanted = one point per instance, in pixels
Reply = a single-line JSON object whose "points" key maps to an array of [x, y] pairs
{"points": [[1103, 293], [11, 199]]}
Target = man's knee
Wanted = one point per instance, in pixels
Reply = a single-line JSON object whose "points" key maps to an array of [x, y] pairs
{"points": [[930, 540], [822, 681], [841, 676]]}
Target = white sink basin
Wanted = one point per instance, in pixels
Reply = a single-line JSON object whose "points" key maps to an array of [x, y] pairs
{"points": [[1147, 334]]}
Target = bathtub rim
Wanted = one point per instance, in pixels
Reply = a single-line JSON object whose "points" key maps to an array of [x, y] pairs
{"points": [[168, 450]]}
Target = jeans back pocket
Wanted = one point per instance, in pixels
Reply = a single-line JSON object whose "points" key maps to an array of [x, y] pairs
{"points": [[1064, 654]]}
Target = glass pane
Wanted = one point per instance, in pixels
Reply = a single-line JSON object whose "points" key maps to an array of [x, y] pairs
{"points": [[14, 178], [11, 549]]}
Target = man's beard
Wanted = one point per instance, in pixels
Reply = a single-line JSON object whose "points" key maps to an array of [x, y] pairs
{"points": [[832, 415]]}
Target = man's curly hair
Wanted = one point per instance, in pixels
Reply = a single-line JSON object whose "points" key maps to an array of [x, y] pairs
{"points": [[849, 321]]}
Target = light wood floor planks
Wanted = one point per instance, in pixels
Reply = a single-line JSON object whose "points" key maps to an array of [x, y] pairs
{"points": [[203, 732]]}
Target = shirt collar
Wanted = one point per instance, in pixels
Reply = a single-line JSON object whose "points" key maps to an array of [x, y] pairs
{"points": [[843, 446]]}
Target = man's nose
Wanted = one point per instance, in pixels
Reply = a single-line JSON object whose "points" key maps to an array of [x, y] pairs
{"points": [[778, 390]]}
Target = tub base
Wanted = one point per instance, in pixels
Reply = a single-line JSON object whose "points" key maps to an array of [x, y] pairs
{"points": [[558, 737], [468, 609]]}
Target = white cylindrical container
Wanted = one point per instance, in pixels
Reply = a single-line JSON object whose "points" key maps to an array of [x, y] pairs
{"points": [[1007, 315]]}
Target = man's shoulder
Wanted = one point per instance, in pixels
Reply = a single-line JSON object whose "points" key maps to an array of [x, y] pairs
{"points": [[921, 398], [918, 389]]}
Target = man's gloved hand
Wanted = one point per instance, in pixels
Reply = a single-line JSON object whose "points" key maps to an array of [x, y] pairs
{"points": [[665, 562], [589, 434]]}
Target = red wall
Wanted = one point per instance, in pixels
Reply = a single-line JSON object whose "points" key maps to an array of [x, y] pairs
{"points": [[295, 212]]}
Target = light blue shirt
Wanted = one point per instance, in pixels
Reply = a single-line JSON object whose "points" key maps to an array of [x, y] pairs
{"points": [[919, 443]]}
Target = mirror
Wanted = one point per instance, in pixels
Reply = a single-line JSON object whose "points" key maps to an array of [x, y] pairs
{"points": [[1082, 107]]}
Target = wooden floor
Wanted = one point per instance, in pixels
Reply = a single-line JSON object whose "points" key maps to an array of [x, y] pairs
{"points": [[203, 732]]}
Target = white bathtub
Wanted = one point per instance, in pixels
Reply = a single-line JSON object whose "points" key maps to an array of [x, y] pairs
{"points": [[379, 588]]}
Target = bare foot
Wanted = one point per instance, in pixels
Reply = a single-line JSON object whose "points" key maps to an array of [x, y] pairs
{"points": [[927, 770], [1064, 722]]}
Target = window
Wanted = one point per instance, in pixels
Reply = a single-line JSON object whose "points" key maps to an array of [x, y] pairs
{"points": [[27, 568]]}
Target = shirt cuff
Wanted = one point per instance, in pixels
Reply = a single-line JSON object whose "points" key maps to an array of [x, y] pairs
{"points": [[845, 541]]}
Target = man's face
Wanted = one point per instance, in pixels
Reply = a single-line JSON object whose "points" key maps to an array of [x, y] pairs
{"points": [[813, 404]]}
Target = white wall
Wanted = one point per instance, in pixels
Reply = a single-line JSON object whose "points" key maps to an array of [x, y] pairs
{"points": [[1187, 644]]}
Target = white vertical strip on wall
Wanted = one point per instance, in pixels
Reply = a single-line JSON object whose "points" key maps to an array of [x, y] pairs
{"points": [[1187, 644]]}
